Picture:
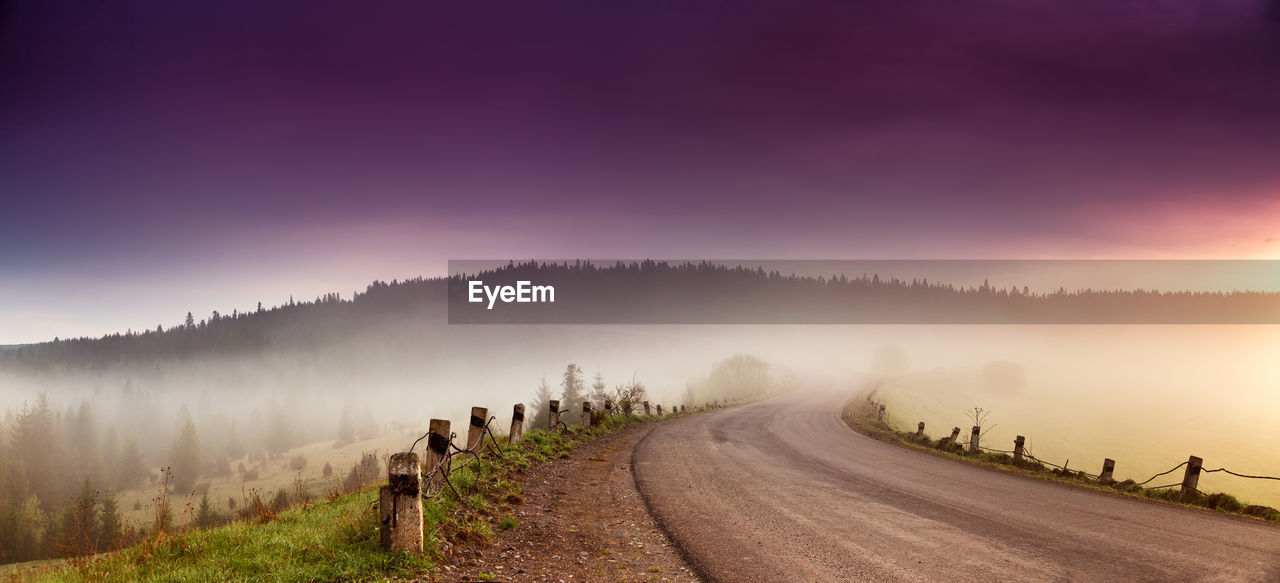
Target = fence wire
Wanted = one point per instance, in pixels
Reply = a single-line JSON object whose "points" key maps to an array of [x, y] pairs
{"points": [[1028, 455]]}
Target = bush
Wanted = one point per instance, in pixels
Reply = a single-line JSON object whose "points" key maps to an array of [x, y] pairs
{"points": [[251, 475], [328, 470], [1266, 512], [281, 501], [297, 462], [1223, 502]]}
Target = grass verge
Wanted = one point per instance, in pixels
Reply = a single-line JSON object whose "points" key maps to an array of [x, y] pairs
{"points": [[860, 416], [337, 539]]}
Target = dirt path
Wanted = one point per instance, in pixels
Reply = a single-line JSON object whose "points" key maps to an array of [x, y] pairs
{"points": [[582, 520]]}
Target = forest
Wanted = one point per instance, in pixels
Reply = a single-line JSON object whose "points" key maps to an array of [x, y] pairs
{"points": [[200, 407]]}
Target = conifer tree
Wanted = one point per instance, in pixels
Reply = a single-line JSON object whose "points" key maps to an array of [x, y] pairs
{"points": [[573, 393], [184, 458], [536, 417], [599, 392], [132, 469], [109, 526]]}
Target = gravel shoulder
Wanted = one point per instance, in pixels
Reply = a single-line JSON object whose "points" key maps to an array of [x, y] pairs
{"points": [[582, 520]]}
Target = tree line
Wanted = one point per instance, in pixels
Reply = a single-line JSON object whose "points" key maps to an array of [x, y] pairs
{"points": [[63, 471]]}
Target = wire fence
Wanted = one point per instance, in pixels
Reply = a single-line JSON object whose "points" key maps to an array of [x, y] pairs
{"points": [[878, 412]]}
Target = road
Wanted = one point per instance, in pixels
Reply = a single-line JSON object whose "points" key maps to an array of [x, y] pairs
{"points": [[782, 490]]}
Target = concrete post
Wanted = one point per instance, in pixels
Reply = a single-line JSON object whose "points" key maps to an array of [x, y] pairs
{"points": [[586, 413], [973, 438], [646, 408], [554, 418], [659, 410], [475, 432], [955, 435], [1018, 444], [400, 505], [517, 424], [919, 429], [1191, 478], [1108, 468], [437, 449]]}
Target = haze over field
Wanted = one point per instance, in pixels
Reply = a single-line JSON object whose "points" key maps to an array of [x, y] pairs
{"points": [[229, 163]]}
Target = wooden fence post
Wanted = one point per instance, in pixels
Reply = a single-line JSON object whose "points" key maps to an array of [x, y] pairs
{"points": [[659, 410], [437, 449], [586, 413], [554, 418], [1191, 478], [955, 435], [475, 432], [920, 429], [517, 424], [1108, 468], [400, 505], [608, 407], [1017, 449], [646, 408], [973, 439]]}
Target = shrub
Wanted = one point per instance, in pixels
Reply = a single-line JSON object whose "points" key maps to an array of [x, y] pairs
{"points": [[297, 462], [1223, 502], [1266, 512], [281, 501]]}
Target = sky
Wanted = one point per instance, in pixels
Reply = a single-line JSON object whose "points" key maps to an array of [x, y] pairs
{"points": [[164, 157]]}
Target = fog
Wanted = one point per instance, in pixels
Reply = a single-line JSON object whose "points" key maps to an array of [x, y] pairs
{"points": [[1146, 396]]}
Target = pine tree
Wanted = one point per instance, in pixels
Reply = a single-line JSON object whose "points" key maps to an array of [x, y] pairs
{"points": [[599, 392], [109, 527], [538, 416], [84, 434], [572, 393], [368, 428], [235, 449], [346, 429], [206, 516], [34, 452], [110, 456], [185, 458], [280, 433], [132, 468], [80, 523]]}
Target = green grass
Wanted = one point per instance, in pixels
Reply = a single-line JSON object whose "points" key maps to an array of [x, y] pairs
{"points": [[336, 539], [333, 540], [861, 417]]}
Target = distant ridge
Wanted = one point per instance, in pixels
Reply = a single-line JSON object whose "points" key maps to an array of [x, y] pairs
{"points": [[642, 292]]}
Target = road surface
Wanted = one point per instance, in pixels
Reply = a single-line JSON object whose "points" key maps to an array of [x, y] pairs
{"points": [[782, 490]]}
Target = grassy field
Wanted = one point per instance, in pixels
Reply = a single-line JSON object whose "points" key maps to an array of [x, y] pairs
{"points": [[137, 504], [334, 539], [860, 416]]}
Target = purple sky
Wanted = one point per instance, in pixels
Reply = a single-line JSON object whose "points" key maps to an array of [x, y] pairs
{"points": [[161, 157]]}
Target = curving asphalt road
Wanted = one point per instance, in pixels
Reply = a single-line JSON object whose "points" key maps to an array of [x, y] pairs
{"points": [[782, 490]]}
